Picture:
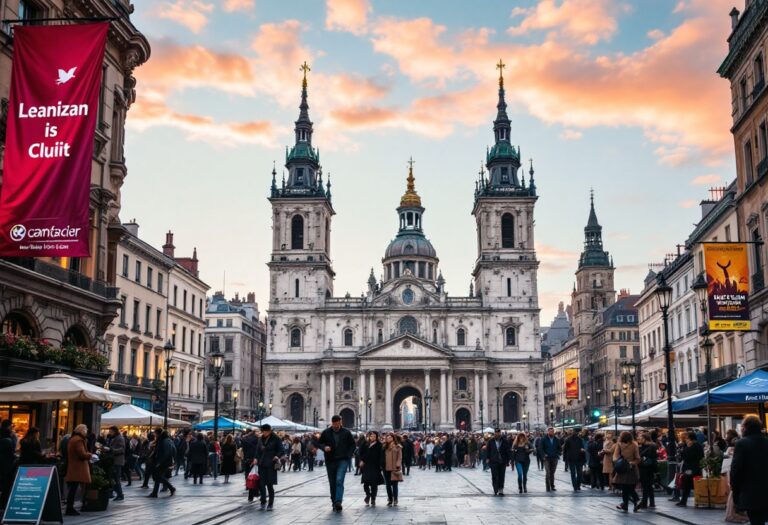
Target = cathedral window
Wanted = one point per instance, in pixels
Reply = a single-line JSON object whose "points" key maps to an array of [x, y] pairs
{"points": [[299, 176], [505, 175], [434, 335], [295, 338], [297, 232], [408, 325], [409, 219], [408, 248], [409, 265], [296, 288], [507, 231], [397, 269], [461, 384], [348, 337], [431, 272], [347, 384], [510, 336], [461, 337], [422, 270], [502, 134], [509, 287], [380, 336]]}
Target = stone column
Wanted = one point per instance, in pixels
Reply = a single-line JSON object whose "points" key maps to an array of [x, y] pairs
{"points": [[372, 393], [323, 398], [427, 390], [361, 390], [486, 403], [450, 418], [331, 395], [443, 400], [477, 399], [388, 400]]}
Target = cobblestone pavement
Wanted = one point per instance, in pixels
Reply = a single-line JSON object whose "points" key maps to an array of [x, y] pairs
{"points": [[464, 496]]}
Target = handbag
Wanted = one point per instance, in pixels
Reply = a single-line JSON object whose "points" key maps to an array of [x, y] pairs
{"points": [[252, 481], [621, 466], [396, 475]]}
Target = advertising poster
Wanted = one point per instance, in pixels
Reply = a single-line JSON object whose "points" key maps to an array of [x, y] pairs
{"points": [[572, 383], [727, 268]]}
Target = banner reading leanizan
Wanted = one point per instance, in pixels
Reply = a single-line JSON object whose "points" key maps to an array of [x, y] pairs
{"points": [[727, 270], [53, 105]]}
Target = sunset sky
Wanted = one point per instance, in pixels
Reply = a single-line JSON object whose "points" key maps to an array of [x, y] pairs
{"points": [[619, 96]]}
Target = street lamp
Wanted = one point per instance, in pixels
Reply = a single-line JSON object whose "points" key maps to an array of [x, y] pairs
{"points": [[701, 288], [482, 425], [235, 394], [664, 297], [587, 419], [270, 408], [217, 362], [368, 412], [428, 401], [168, 350], [261, 410], [551, 417], [629, 369], [361, 405], [525, 419], [615, 394]]}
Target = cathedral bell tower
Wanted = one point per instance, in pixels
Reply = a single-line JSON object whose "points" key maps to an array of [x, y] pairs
{"points": [[506, 265], [594, 290], [300, 266]]}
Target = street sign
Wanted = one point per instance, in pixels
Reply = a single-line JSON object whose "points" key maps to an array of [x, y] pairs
{"points": [[35, 496]]}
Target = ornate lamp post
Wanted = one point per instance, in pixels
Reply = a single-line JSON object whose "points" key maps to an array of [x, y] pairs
{"points": [[525, 419], [369, 404], [664, 296], [270, 408], [700, 287], [615, 394], [551, 417], [169, 372], [217, 362], [629, 369], [261, 410], [587, 418], [235, 394]]}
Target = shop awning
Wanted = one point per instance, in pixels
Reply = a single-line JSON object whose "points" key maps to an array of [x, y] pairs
{"points": [[732, 398], [224, 423], [60, 387], [132, 415]]}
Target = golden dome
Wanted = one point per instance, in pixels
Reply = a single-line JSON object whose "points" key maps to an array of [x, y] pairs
{"points": [[410, 198]]}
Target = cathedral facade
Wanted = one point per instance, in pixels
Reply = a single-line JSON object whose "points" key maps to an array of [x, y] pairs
{"points": [[405, 354]]}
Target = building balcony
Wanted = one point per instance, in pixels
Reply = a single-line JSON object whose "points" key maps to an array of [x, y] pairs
{"points": [[126, 379], [689, 387], [65, 276], [718, 376]]}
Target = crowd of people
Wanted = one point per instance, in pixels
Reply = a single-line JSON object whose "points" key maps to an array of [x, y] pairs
{"points": [[600, 460]]}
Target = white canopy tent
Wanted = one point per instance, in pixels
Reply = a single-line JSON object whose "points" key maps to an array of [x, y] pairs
{"points": [[60, 387], [276, 423], [657, 414], [131, 415]]}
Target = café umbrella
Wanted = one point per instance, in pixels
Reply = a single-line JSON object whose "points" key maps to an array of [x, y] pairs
{"points": [[60, 387], [134, 416], [740, 396]]}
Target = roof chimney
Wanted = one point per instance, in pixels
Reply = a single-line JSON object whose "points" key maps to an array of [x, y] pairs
{"points": [[168, 247], [734, 14], [251, 298], [132, 227]]}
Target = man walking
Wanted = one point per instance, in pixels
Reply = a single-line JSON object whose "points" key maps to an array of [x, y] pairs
{"points": [[573, 454], [116, 444], [549, 448], [339, 446], [498, 458], [164, 454], [749, 471]]}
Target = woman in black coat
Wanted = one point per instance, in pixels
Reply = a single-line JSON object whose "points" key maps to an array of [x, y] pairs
{"points": [[228, 453], [648, 463], [269, 452], [30, 449], [198, 458], [371, 465]]}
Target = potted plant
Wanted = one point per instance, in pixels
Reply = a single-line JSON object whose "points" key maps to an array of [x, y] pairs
{"points": [[710, 490], [98, 491]]}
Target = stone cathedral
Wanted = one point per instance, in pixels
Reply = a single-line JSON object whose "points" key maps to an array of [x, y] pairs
{"points": [[405, 354]]}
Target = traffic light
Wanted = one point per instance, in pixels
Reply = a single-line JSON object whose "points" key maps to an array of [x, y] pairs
{"points": [[595, 413]]}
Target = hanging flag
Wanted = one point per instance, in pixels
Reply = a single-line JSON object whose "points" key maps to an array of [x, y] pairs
{"points": [[571, 383], [727, 270], [53, 106]]}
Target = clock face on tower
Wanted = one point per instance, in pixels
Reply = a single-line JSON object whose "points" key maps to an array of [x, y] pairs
{"points": [[407, 296]]}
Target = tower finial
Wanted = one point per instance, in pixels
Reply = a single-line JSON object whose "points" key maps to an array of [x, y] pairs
{"points": [[500, 66], [410, 197], [305, 68]]}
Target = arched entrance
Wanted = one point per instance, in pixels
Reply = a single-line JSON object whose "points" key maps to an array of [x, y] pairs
{"points": [[407, 409], [347, 418], [511, 404], [296, 408], [76, 336], [18, 323], [463, 419]]}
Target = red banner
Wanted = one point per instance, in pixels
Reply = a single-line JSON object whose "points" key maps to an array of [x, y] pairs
{"points": [[53, 106]]}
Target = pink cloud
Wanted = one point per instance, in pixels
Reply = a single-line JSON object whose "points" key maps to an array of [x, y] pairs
{"points": [[582, 21], [571, 134], [706, 180], [688, 203], [192, 14], [231, 6], [347, 15]]}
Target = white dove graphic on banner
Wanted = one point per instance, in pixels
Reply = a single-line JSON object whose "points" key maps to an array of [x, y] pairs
{"points": [[66, 76]]}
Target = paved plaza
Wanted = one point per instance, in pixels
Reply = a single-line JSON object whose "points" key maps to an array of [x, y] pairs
{"points": [[463, 496]]}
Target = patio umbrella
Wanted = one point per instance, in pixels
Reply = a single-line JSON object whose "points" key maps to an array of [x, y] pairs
{"points": [[60, 387], [224, 423], [132, 415], [276, 423]]}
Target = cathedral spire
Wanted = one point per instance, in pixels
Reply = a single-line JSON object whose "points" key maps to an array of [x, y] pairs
{"points": [[501, 115], [410, 198], [593, 254], [303, 127]]}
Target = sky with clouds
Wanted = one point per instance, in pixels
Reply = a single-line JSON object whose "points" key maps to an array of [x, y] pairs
{"points": [[616, 95]]}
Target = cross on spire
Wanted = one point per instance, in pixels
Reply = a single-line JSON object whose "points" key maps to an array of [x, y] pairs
{"points": [[500, 66], [305, 68], [411, 162]]}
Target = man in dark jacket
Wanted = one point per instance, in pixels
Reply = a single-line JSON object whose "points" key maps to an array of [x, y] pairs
{"points": [[749, 471], [448, 453], [164, 455], [573, 455], [269, 449], [116, 444], [692, 455], [339, 446], [408, 453], [498, 459], [549, 448]]}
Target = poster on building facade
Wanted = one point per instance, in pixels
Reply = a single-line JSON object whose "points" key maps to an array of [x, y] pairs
{"points": [[571, 383], [52, 110], [727, 268]]}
